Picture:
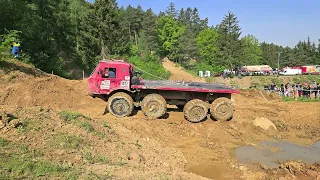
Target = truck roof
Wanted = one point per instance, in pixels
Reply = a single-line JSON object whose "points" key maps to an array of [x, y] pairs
{"points": [[115, 62]]}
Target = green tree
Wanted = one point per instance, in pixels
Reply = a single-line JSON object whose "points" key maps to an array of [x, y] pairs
{"points": [[251, 51], [149, 27], [171, 10], [187, 47], [103, 32], [135, 19], [207, 43], [230, 47], [169, 33]]}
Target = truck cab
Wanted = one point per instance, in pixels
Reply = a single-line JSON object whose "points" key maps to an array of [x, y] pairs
{"points": [[109, 76]]}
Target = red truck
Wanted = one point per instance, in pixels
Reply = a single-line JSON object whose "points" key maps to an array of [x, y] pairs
{"points": [[117, 83]]}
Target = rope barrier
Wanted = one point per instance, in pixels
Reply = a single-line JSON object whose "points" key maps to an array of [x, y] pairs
{"points": [[149, 73]]}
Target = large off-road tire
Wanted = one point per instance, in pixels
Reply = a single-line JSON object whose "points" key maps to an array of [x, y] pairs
{"points": [[195, 110], [120, 104], [222, 109], [154, 106]]}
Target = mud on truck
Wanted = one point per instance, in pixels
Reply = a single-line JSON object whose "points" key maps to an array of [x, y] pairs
{"points": [[123, 89]]}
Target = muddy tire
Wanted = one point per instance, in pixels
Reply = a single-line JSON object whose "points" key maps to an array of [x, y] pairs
{"points": [[195, 110], [154, 106], [222, 109], [120, 105]]}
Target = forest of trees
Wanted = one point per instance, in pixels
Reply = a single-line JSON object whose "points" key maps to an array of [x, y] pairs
{"points": [[57, 35]]}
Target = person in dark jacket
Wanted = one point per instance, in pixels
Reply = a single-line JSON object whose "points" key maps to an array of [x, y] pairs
{"points": [[281, 90]]}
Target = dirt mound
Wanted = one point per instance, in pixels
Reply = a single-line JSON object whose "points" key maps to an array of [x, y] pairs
{"points": [[168, 148], [36, 88], [295, 170], [93, 146], [177, 72]]}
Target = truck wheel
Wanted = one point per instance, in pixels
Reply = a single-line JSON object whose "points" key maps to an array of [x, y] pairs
{"points": [[222, 109], [195, 110], [154, 106], [120, 104]]}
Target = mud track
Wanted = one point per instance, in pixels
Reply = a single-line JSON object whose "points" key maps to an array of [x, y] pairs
{"points": [[193, 151]]}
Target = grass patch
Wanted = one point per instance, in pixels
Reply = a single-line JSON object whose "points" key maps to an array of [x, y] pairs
{"points": [[27, 125], [300, 99], [80, 121], [67, 141], [90, 129], [91, 159], [20, 162], [71, 116], [3, 142], [87, 127], [151, 66]]}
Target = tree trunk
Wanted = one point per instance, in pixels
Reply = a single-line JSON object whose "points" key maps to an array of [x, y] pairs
{"points": [[130, 32], [135, 37], [103, 50]]}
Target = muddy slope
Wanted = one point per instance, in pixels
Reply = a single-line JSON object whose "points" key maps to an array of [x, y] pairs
{"points": [[138, 147]]}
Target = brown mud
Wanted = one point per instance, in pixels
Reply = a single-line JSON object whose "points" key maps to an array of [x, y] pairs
{"points": [[170, 147]]}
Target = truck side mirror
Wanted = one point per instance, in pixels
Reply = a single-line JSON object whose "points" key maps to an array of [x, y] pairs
{"points": [[100, 71], [138, 73]]}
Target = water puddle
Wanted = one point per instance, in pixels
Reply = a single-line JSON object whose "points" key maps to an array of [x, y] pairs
{"points": [[269, 153], [206, 170]]}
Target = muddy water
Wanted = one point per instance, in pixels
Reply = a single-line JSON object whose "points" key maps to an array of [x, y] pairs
{"points": [[269, 153], [206, 170]]}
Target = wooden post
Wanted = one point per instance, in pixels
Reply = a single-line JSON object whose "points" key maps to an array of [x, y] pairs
{"points": [[82, 75], [52, 72]]}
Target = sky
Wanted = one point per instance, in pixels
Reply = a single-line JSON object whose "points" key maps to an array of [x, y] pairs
{"points": [[283, 22]]}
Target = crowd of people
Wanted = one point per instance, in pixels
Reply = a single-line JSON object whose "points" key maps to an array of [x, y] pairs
{"points": [[296, 90]]}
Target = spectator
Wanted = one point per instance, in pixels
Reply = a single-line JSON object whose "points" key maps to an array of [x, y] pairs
{"points": [[287, 90], [315, 88], [318, 91], [294, 90], [281, 90], [272, 87], [305, 90], [299, 88]]}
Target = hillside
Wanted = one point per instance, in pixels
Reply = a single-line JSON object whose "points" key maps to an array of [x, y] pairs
{"points": [[177, 72], [60, 132]]}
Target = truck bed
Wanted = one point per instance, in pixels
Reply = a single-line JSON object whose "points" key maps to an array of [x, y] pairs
{"points": [[185, 86]]}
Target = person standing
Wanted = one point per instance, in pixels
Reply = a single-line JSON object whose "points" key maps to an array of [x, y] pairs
{"points": [[15, 49], [287, 90], [315, 89], [281, 90], [299, 87]]}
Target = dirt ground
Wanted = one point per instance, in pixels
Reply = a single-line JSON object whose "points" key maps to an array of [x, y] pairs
{"points": [[138, 148], [177, 73]]}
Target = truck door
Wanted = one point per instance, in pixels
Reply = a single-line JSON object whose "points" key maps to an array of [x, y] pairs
{"points": [[108, 80]]}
